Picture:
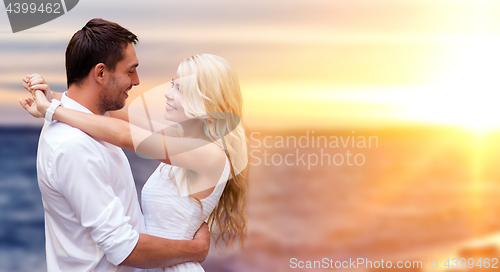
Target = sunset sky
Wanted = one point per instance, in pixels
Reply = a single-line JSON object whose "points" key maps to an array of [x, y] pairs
{"points": [[316, 63]]}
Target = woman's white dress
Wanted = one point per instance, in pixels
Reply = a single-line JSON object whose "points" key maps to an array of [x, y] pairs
{"points": [[170, 213]]}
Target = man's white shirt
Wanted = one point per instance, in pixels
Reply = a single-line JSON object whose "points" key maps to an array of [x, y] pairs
{"points": [[92, 214]]}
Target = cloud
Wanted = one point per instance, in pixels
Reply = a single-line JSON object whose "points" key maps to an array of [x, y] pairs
{"points": [[25, 45], [308, 45]]}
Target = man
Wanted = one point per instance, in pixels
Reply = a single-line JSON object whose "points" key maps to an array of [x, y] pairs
{"points": [[93, 220]]}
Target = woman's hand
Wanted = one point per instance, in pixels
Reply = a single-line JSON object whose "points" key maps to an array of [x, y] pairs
{"points": [[40, 91], [30, 106]]}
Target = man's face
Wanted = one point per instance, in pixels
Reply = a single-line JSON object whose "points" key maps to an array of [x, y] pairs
{"points": [[120, 81]]}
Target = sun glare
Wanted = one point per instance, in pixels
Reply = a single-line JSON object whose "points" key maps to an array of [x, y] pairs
{"points": [[473, 82]]}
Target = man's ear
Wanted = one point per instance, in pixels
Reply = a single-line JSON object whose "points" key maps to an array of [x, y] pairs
{"points": [[99, 72]]}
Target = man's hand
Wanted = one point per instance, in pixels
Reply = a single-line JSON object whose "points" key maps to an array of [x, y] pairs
{"points": [[153, 252], [40, 91], [37, 82], [202, 235]]}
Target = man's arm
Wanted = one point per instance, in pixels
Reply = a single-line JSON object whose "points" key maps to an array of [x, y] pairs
{"points": [[152, 251], [91, 196]]}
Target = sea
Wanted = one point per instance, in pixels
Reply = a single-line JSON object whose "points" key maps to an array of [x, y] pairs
{"points": [[413, 194], [22, 238]]}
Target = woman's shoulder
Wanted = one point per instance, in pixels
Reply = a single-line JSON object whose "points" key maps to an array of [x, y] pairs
{"points": [[218, 173], [215, 158]]}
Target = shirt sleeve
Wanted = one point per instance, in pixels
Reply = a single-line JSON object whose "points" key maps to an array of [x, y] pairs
{"points": [[83, 179]]}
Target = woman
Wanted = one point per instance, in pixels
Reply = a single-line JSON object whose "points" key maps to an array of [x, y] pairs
{"points": [[203, 157]]}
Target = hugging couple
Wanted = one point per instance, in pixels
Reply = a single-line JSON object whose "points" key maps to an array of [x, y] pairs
{"points": [[93, 221]]}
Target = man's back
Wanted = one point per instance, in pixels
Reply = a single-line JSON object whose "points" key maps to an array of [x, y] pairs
{"points": [[92, 216]]}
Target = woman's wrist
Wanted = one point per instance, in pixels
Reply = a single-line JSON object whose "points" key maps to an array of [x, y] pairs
{"points": [[49, 109]]}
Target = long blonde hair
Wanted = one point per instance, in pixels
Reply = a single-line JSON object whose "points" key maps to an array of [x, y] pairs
{"points": [[211, 93]]}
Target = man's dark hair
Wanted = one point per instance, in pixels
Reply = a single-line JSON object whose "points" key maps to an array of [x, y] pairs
{"points": [[99, 41]]}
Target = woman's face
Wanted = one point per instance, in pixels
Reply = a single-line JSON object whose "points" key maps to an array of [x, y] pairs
{"points": [[175, 112]]}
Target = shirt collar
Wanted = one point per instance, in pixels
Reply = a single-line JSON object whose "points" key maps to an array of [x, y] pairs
{"points": [[72, 104]]}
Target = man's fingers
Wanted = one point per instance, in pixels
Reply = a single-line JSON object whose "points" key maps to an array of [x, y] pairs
{"points": [[28, 77], [44, 88], [204, 226], [40, 87], [202, 232], [36, 80], [26, 87], [203, 235]]}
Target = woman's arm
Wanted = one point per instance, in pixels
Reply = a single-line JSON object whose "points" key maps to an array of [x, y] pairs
{"points": [[111, 130], [39, 81], [120, 114], [170, 129], [195, 154], [203, 157]]}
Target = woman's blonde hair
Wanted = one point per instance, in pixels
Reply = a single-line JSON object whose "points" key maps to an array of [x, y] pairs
{"points": [[211, 93]]}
